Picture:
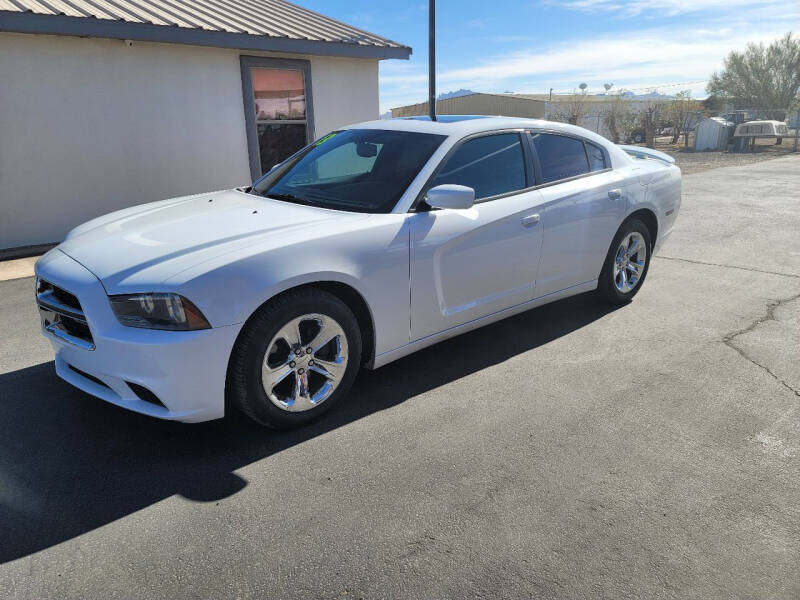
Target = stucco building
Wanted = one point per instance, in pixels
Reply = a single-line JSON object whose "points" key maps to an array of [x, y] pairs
{"points": [[109, 103]]}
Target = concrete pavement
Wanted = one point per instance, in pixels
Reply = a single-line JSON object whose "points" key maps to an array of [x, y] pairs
{"points": [[574, 451], [17, 268]]}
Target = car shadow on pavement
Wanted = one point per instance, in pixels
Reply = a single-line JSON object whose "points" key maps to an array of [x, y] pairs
{"points": [[70, 463]]}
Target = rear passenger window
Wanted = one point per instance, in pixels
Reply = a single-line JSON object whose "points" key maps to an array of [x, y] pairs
{"points": [[560, 157], [597, 160], [490, 164]]}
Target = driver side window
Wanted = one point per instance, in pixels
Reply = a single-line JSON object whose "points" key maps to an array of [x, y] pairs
{"points": [[490, 164]]}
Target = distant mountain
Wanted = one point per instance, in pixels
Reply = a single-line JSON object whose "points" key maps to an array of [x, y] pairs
{"points": [[654, 95], [444, 96], [456, 94]]}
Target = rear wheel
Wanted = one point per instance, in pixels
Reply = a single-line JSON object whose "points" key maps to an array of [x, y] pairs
{"points": [[295, 358], [626, 264]]}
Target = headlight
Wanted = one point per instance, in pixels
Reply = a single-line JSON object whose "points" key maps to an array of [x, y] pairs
{"points": [[158, 311]]}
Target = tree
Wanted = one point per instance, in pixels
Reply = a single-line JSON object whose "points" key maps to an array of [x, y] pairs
{"points": [[628, 121], [650, 114], [572, 108], [618, 116], [761, 77], [678, 113], [713, 104]]}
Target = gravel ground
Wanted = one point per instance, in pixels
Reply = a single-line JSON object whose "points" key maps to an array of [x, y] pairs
{"points": [[695, 162]]}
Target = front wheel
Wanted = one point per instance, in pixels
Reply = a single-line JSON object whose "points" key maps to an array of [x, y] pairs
{"points": [[295, 358], [626, 264]]}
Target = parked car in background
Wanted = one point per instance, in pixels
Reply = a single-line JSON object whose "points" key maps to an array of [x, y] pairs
{"points": [[365, 246], [637, 136]]}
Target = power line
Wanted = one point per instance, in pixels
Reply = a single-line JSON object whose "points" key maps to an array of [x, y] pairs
{"points": [[649, 87], [668, 85]]}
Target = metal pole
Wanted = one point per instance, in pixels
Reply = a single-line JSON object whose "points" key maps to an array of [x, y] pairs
{"points": [[432, 59]]}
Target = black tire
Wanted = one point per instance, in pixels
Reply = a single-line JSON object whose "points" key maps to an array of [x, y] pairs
{"points": [[607, 289], [244, 388], [638, 138]]}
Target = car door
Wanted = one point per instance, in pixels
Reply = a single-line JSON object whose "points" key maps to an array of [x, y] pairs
{"points": [[466, 264], [584, 201]]}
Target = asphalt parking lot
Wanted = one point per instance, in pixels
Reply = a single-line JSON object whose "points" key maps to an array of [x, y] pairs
{"points": [[652, 451]]}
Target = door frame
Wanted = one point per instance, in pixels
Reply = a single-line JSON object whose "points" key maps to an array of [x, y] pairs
{"points": [[251, 129]]}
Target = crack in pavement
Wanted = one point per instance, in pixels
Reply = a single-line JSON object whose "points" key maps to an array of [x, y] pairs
{"points": [[710, 264], [728, 340]]}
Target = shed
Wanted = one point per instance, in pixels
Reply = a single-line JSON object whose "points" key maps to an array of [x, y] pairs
{"points": [[712, 134], [106, 103]]}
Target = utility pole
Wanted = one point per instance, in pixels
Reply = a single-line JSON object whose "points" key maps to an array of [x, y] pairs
{"points": [[432, 59]]}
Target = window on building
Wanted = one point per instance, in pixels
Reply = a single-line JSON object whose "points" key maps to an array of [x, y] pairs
{"points": [[490, 164], [278, 121]]}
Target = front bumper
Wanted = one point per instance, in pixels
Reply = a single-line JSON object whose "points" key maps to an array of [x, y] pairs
{"points": [[185, 370]]}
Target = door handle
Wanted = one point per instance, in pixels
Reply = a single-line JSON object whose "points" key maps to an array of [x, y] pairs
{"points": [[530, 220], [614, 194]]}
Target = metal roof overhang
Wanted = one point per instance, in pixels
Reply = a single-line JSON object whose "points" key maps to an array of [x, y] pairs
{"points": [[146, 32]]}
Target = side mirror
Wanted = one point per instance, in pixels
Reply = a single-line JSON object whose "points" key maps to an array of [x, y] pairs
{"points": [[450, 196]]}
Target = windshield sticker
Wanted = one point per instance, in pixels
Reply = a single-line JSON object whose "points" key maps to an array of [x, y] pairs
{"points": [[325, 139]]}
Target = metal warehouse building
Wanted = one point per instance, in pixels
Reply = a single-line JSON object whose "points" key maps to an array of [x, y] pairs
{"points": [[109, 103], [479, 104]]}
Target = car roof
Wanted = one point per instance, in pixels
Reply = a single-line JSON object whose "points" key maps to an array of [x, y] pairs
{"points": [[463, 125]]}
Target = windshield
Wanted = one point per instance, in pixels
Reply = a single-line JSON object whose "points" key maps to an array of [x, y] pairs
{"points": [[361, 170]]}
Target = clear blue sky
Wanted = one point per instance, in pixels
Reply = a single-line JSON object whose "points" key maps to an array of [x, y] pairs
{"points": [[526, 46]]}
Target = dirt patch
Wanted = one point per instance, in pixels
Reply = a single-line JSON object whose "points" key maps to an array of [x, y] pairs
{"points": [[695, 162]]}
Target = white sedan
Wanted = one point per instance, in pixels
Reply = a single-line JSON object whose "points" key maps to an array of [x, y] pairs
{"points": [[372, 242]]}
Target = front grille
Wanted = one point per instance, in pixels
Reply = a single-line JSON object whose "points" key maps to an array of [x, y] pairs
{"points": [[62, 314], [66, 298], [77, 327]]}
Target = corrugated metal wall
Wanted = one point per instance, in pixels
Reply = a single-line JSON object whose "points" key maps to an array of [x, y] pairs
{"points": [[711, 135], [478, 104]]}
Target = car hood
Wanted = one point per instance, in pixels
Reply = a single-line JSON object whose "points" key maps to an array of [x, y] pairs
{"points": [[152, 242]]}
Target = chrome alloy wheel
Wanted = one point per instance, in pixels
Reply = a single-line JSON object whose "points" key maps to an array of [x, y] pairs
{"points": [[629, 262], [304, 362]]}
